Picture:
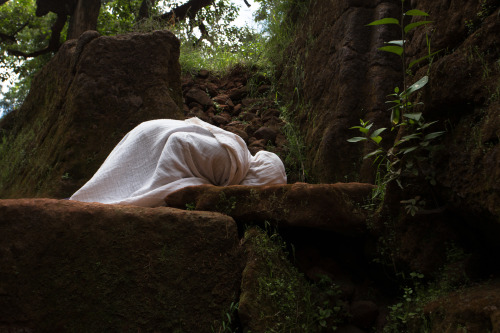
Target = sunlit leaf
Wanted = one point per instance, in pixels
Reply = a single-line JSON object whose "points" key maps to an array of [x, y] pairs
{"points": [[416, 12], [376, 139], [393, 49], [388, 20]]}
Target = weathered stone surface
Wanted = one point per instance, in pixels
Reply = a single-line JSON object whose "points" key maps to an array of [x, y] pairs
{"points": [[343, 77], [333, 207], [81, 104], [475, 309], [84, 267], [464, 94]]}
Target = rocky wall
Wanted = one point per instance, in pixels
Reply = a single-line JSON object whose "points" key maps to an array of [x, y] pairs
{"points": [[338, 77], [334, 76]]}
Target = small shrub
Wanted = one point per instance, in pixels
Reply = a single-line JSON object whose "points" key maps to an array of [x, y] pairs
{"points": [[404, 155]]}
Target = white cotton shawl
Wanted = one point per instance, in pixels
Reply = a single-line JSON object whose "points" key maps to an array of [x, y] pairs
{"points": [[161, 156]]}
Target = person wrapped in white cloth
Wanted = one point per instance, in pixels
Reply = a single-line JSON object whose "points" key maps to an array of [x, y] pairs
{"points": [[161, 156]]}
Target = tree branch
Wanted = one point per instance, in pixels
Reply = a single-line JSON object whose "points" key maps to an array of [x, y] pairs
{"points": [[189, 9], [246, 3], [54, 42], [7, 38], [12, 38]]}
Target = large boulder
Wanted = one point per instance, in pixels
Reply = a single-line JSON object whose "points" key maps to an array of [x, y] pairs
{"points": [[474, 309], [81, 104], [333, 207], [88, 267]]}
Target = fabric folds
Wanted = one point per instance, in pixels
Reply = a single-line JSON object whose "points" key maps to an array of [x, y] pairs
{"points": [[161, 156]]}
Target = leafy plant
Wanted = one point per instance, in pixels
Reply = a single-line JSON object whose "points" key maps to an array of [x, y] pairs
{"points": [[191, 206], [409, 307], [295, 153], [225, 205], [401, 155], [229, 320]]}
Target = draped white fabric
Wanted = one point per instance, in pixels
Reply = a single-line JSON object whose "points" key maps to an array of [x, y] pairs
{"points": [[161, 156]]}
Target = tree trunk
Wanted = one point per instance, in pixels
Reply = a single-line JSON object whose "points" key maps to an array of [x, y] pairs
{"points": [[84, 17], [145, 9]]}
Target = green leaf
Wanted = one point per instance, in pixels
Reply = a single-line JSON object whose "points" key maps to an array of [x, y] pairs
{"points": [[416, 86], [424, 143], [416, 12], [377, 132], [410, 137], [373, 153], [395, 116], [393, 49], [414, 62], [387, 20], [356, 139], [408, 150], [415, 116], [415, 24], [376, 139], [425, 125], [407, 138], [434, 135]]}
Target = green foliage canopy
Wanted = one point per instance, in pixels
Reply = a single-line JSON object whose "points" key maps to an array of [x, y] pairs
{"points": [[26, 33], [204, 32]]}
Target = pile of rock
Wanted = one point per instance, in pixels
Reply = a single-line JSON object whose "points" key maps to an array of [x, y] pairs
{"points": [[236, 103]]}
